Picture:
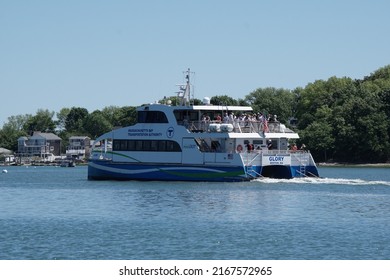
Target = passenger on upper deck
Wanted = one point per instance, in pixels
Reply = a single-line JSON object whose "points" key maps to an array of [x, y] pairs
{"points": [[294, 147], [249, 147], [205, 122], [260, 117], [232, 117], [226, 118]]}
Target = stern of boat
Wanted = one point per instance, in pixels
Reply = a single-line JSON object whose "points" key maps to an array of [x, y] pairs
{"points": [[279, 164]]}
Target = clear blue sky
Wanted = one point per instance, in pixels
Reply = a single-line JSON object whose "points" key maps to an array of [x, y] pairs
{"points": [[95, 53]]}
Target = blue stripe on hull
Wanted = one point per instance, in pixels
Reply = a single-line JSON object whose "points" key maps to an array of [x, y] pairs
{"points": [[100, 170]]}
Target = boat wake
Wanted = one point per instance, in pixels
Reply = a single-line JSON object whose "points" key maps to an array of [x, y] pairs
{"points": [[329, 181]]}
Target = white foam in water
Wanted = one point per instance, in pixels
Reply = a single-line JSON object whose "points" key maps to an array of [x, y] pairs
{"points": [[313, 180]]}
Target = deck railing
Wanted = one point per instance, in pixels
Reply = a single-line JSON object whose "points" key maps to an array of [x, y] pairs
{"points": [[236, 126]]}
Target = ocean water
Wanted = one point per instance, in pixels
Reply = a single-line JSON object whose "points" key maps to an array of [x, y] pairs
{"points": [[56, 213]]}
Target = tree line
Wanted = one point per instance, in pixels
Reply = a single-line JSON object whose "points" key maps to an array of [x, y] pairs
{"points": [[75, 121], [339, 119]]}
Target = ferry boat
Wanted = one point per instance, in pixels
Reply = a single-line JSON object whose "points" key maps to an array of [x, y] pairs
{"points": [[198, 143]]}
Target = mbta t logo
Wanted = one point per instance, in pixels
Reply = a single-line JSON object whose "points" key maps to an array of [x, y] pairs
{"points": [[170, 132]]}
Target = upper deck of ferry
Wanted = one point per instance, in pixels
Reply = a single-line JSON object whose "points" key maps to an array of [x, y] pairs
{"points": [[212, 118], [208, 118]]}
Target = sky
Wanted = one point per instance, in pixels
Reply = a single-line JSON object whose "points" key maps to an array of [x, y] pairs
{"points": [[98, 53]]}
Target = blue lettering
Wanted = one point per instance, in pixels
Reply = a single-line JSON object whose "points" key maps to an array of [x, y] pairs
{"points": [[275, 158]]}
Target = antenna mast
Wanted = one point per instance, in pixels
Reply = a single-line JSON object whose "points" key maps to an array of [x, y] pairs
{"points": [[184, 93]]}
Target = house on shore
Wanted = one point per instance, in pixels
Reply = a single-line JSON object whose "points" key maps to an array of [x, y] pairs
{"points": [[79, 147], [6, 156], [43, 145]]}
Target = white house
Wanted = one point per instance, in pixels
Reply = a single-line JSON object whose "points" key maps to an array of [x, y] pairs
{"points": [[79, 147]]}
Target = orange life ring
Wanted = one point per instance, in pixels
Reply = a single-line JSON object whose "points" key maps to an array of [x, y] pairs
{"points": [[239, 148]]}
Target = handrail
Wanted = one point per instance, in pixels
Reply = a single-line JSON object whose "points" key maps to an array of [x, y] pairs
{"points": [[253, 159], [243, 126]]}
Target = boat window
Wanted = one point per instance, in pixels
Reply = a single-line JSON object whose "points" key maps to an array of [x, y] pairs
{"points": [[130, 145], [152, 117], [182, 115], [162, 145], [146, 145], [170, 146], [154, 145], [215, 146], [117, 145], [123, 145], [138, 145]]}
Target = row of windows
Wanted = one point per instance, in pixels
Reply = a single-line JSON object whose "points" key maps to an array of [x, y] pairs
{"points": [[152, 117], [146, 145]]}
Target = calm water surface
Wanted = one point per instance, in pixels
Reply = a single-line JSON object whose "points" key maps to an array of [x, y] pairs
{"points": [[56, 213]]}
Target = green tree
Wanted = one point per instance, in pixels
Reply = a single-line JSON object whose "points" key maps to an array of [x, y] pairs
{"points": [[331, 93], [112, 114], [75, 119], [96, 124], [42, 121], [319, 139], [273, 101], [61, 118], [128, 116], [223, 100], [318, 136], [120, 116], [382, 73], [384, 97], [242, 102], [19, 121], [196, 101], [351, 115], [12, 130], [361, 130]]}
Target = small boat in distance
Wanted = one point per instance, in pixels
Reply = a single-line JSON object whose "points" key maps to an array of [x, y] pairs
{"points": [[67, 163], [198, 143]]}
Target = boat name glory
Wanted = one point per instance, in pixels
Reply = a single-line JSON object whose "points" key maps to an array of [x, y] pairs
{"points": [[143, 132], [276, 160]]}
